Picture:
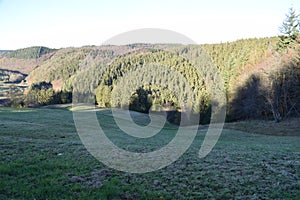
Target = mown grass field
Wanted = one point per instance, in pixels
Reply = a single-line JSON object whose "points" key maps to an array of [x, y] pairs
{"points": [[42, 157]]}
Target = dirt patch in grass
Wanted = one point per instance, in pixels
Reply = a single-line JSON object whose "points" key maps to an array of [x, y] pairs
{"points": [[97, 178]]}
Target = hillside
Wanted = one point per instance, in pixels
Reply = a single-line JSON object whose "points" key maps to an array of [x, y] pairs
{"points": [[2, 52], [15, 67], [94, 71], [231, 58], [29, 53], [24, 60], [42, 156]]}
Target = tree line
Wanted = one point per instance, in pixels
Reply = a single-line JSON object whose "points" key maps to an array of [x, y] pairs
{"points": [[260, 76]]}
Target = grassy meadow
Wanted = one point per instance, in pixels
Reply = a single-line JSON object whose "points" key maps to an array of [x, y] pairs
{"points": [[42, 157]]}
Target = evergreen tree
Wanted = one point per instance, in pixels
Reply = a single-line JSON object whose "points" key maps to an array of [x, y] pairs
{"points": [[289, 30]]}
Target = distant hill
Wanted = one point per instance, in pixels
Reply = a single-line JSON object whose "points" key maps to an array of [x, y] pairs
{"points": [[29, 53], [24, 60], [2, 52]]}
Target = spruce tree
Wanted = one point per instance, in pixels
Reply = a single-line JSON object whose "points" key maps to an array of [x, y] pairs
{"points": [[289, 30]]}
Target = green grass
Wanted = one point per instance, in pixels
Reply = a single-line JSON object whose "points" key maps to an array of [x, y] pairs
{"points": [[42, 157], [287, 127]]}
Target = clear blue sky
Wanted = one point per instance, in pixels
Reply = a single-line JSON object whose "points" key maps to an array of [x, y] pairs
{"points": [[64, 23]]}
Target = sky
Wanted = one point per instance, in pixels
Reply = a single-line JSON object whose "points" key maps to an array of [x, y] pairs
{"points": [[75, 23]]}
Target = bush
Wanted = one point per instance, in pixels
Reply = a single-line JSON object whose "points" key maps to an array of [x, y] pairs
{"points": [[42, 93]]}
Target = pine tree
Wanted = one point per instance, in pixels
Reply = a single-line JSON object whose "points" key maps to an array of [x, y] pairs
{"points": [[289, 30]]}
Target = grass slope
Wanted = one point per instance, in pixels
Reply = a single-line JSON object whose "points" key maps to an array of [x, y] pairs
{"points": [[42, 157]]}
